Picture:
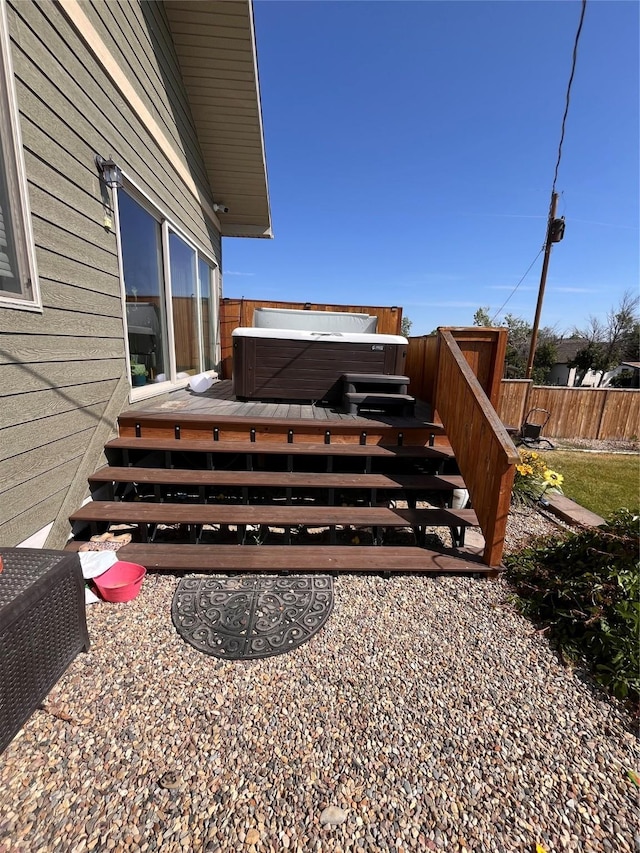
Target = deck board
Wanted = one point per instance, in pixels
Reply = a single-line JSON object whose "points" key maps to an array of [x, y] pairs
{"points": [[277, 479], [219, 400], [298, 558], [141, 512]]}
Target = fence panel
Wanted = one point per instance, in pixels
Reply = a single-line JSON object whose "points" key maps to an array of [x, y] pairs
{"points": [[621, 414], [421, 365], [482, 348], [596, 413], [513, 401], [575, 412], [230, 310]]}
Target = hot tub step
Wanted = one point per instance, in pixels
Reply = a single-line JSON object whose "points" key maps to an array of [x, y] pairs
{"points": [[353, 403], [374, 382]]}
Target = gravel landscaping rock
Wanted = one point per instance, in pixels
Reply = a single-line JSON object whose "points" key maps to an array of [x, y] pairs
{"points": [[427, 713], [598, 445]]}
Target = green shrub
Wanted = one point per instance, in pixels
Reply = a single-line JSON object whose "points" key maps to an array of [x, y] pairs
{"points": [[586, 589]]}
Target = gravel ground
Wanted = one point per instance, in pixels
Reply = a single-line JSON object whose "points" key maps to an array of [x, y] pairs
{"points": [[598, 445], [426, 710]]}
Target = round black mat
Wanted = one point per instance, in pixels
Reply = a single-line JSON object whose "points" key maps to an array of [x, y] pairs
{"points": [[249, 617]]}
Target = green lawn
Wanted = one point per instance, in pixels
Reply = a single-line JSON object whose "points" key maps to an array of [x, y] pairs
{"points": [[601, 482]]}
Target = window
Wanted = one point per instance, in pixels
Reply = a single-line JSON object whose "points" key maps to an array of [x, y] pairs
{"points": [[141, 247], [18, 284], [170, 294], [184, 303], [209, 313]]}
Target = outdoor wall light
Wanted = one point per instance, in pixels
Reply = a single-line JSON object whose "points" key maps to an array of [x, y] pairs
{"points": [[111, 173], [221, 208]]}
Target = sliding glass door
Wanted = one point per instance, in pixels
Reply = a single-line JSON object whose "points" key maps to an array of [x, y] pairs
{"points": [[184, 304], [208, 313], [170, 293], [141, 246]]}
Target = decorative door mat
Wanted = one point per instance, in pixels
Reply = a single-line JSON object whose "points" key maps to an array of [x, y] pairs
{"points": [[251, 617]]}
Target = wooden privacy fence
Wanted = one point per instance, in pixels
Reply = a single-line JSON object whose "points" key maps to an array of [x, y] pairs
{"points": [[482, 447], [512, 402], [596, 413], [239, 312], [483, 350]]}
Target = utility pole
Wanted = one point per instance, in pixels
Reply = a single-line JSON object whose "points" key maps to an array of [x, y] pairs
{"points": [[552, 237]]}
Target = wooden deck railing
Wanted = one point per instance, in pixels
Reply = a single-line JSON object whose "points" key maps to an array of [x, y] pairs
{"points": [[485, 454], [483, 348]]}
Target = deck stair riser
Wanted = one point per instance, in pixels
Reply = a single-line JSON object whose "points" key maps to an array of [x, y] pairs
{"points": [[273, 487], [201, 427], [128, 451]]}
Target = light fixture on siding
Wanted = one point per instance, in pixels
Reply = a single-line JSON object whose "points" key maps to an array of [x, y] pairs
{"points": [[110, 173]]}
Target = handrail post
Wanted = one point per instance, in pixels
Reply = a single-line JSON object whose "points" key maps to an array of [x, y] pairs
{"points": [[485, 454]]}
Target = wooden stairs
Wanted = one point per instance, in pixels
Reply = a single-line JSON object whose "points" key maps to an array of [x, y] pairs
{"points": [[239, 494]]}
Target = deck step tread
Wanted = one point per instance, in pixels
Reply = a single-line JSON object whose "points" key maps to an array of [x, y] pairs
{"points": [[275, 558], [377, 378], [269, 514], [282, 448], [377, 397], [274, 479]]}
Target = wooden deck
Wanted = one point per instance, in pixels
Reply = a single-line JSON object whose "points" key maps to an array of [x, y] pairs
{"points": [[219, 401], [210, 470], [208, 461]]}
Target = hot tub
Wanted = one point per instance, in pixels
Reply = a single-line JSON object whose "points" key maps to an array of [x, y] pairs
{"points": [[290, 364]]}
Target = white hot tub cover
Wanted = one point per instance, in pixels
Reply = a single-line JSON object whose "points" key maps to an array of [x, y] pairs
{"points": [[322, 337], [313, 321]]}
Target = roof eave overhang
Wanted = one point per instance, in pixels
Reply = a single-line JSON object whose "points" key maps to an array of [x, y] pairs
{"points": [[216, 49]]}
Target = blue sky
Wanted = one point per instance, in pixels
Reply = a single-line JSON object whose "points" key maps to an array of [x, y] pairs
{"points": [[411, 149]]}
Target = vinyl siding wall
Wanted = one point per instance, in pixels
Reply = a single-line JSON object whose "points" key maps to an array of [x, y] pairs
{"points": [[63, 372]]}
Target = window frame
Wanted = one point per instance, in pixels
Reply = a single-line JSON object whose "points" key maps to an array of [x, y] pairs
{"points": [[167, 224], [19, 213], [214, 320]]}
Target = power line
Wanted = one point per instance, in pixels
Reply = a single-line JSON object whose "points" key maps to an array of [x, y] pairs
{"points": [[517, 285], [555, 227], [555, 175], [568, 97]]}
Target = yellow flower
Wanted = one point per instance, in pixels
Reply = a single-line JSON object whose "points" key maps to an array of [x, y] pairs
{"points": [[553, 478], [524, 470]]}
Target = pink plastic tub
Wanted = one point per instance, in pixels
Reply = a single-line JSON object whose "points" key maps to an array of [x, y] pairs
{"points": [[121, 582]]}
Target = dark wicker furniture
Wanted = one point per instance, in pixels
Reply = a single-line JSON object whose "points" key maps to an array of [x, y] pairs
{"points": [[42, 628]]}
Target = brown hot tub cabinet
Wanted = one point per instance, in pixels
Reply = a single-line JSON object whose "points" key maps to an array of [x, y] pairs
{"points": [[277, 364]]}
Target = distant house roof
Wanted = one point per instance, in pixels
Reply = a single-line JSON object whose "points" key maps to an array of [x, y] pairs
{"points": [[634, 365], [216, 49], [567, 348]]}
